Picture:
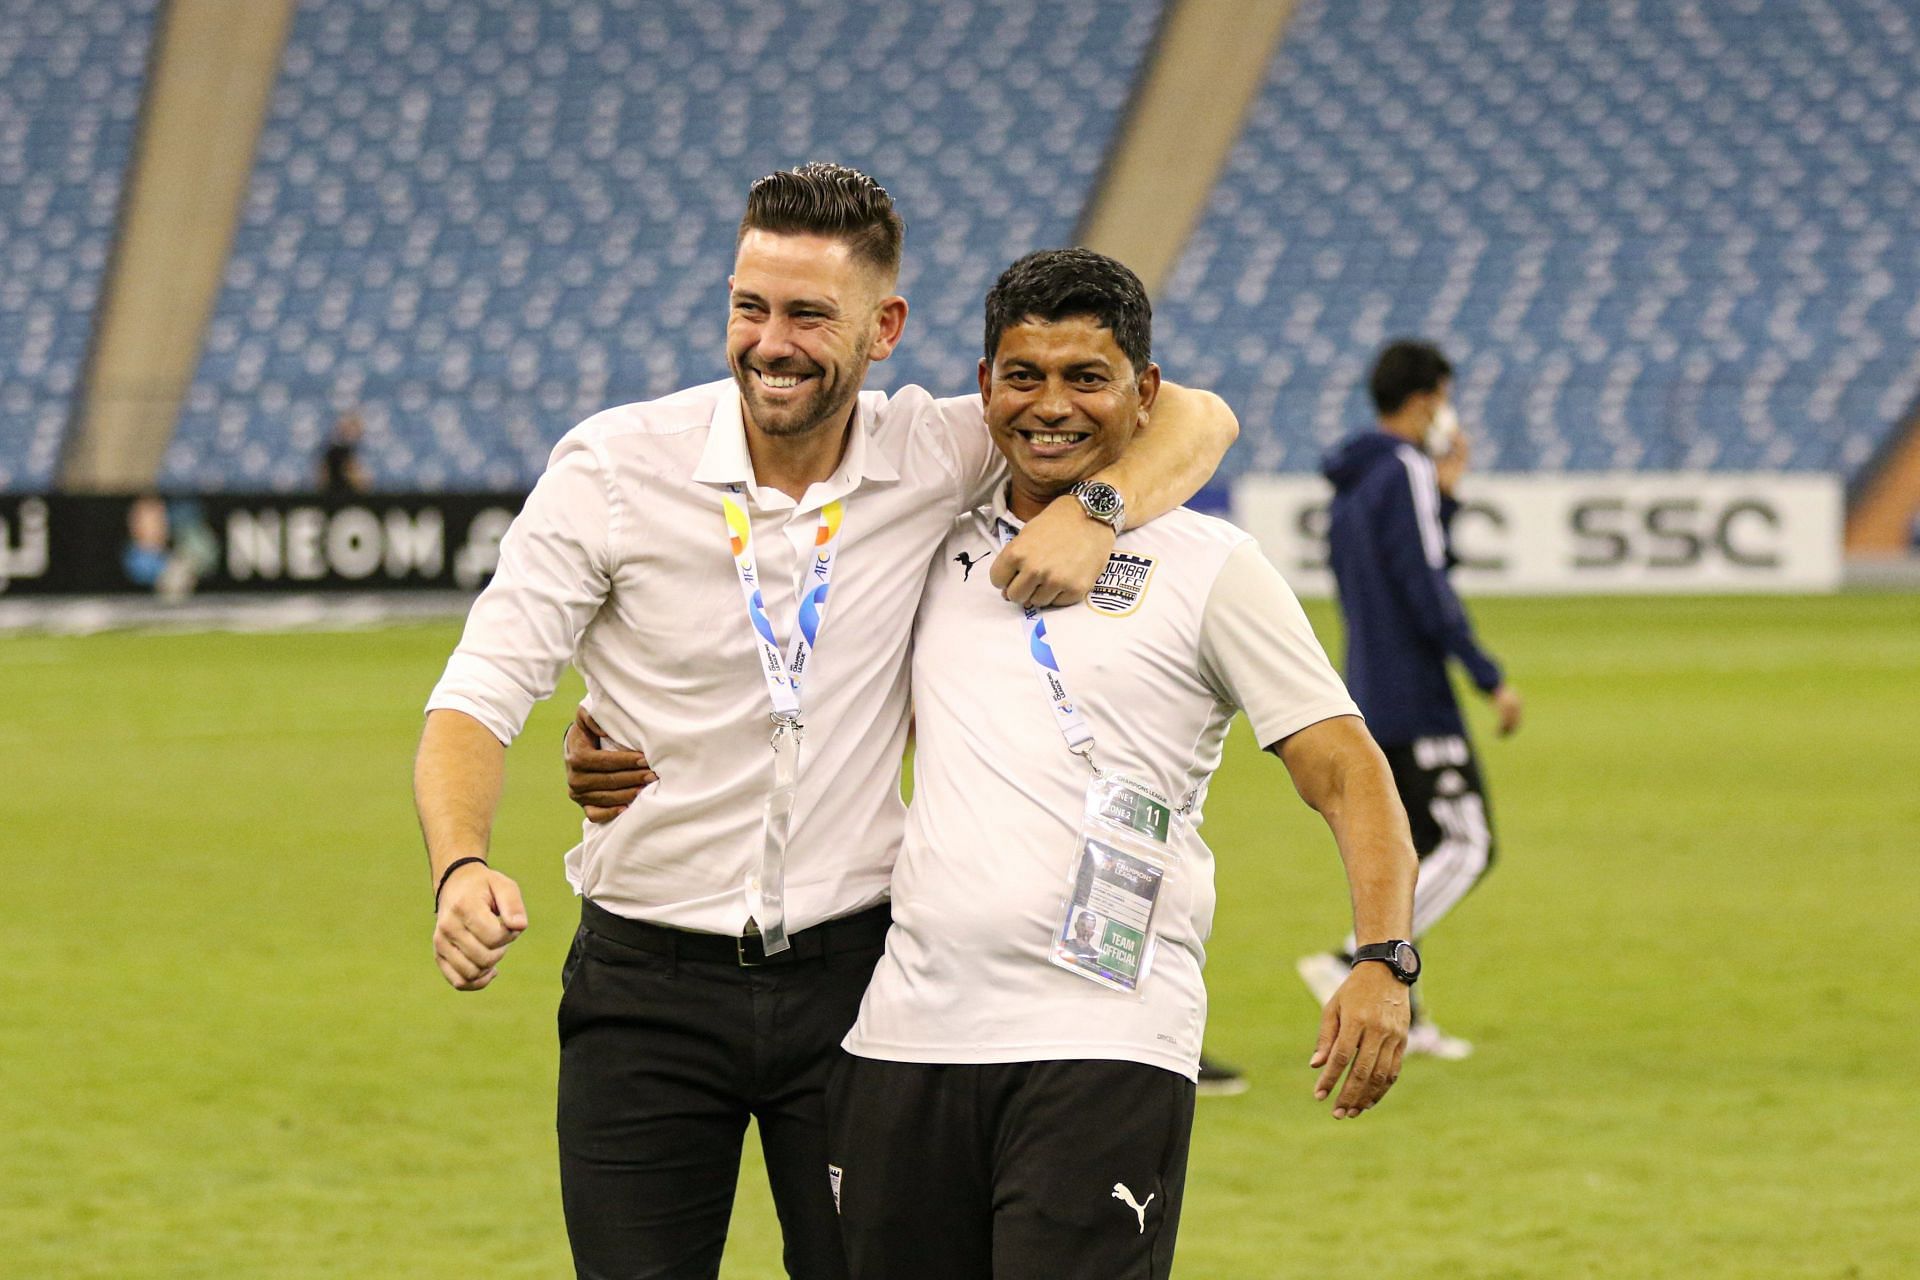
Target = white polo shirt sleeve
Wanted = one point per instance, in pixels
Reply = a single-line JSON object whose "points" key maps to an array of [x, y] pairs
{"points": [[1258, 651], [552, 578]]}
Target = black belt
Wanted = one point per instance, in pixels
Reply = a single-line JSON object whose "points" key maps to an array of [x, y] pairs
{"points": [[862, 931]]}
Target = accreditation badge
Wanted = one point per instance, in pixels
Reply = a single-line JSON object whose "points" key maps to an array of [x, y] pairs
{"points": [[1106, 929]]}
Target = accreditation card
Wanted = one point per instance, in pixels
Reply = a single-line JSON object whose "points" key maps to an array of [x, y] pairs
{"points": [[1106, 932]]}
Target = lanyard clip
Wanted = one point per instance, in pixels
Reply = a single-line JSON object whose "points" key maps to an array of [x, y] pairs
{"points": [[786, 724]]}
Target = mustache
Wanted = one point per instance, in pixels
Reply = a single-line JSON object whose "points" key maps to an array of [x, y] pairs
{"points": [[785, 368]]}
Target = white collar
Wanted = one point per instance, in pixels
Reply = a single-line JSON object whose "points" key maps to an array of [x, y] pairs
{"points": [[725, 460], [989, 518], [1001, 509]]}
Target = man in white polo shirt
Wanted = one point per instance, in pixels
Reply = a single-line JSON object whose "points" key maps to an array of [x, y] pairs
{"points": [[1018, 1095], [688, 555]]}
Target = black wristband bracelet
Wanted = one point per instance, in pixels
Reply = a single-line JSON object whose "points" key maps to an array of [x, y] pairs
{"points": [[452, 867]]}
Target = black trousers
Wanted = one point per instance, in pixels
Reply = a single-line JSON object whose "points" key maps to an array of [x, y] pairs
{"points": [[1444, 795], [1058, 1170], [668, 1043], [1452, 826]]}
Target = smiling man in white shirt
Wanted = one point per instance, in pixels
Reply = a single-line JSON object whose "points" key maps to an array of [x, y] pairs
{"points": [[1019, 1091], [734, 570]]}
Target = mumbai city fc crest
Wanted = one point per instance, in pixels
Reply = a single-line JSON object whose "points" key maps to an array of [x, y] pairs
{"points": [[1121, 584]]}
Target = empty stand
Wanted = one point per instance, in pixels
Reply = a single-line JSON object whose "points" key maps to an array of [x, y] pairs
{"points": [[70, 81], [480, 221], [1655, 236]]}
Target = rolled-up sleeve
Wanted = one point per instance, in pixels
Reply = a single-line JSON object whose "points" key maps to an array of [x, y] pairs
{"points": [[554, 574]]}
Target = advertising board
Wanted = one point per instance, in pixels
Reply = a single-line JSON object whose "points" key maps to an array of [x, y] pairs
{"points": [[1596, 533], [90, 544]]}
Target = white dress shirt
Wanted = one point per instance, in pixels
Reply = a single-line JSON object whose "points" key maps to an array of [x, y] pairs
{"points": [[620, 563], [1189, 623]]}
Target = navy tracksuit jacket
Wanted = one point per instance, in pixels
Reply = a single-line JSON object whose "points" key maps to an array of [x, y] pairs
{"points": [[1387, 541]]}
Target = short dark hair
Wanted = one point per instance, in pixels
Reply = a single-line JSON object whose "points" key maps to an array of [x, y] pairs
{"points": [[826, 199], [1405, 368], [1055, 284]]}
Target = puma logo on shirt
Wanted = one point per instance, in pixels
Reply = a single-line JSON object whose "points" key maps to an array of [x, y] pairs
{"points": [[967, 561]]}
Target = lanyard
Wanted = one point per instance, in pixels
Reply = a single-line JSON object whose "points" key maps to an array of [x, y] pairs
{"points": [[766, 886], [1066, 713]]}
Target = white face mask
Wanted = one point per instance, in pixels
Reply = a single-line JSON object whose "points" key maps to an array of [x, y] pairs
{"points": [[1442, 431]]}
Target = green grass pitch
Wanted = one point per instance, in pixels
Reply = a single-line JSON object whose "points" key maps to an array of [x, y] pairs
{"points": [[225, 1052]]}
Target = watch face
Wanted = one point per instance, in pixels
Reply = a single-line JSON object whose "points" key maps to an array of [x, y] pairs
{"points": [[1406, 957], [1100, 499]]}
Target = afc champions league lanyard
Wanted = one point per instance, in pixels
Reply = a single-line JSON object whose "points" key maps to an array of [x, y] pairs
{"points": [[1066, 713], [767, 884]]}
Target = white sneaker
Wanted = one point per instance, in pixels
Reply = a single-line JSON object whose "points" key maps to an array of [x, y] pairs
{"points": [[1323, 973], [1218, 1080], [1426, 1038]]}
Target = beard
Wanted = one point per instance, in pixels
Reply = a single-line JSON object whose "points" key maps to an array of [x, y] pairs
{"points": [[829, 396], [783, 418]]}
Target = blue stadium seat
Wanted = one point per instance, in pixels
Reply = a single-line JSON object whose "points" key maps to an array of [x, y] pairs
{"points": [[480, 221], [1650, 236], [70, 83]]}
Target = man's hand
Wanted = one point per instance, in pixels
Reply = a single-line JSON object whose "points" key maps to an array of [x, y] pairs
{"points": [[480, 914], [602, 782], [1449, 470], [1056, 559], [1507, 705], [1363, 1032]]}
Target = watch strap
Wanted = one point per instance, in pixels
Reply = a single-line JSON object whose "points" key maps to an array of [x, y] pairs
{"points": [[1388, 953]]}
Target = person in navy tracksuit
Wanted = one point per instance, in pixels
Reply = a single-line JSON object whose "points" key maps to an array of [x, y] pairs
{"points": [[1389, 549]]}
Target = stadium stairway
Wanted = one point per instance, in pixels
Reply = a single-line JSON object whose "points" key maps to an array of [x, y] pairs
{"points": [[479, 223]]}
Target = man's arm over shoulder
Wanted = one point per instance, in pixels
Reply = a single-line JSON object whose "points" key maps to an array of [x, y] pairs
{"points": [[1168, 463], [953, 430], [1173, 457], [554, 573], [1060, 554]]}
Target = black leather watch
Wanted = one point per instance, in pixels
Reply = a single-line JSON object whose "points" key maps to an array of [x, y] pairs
{"points": [[1397, 954], [1102, 502]]}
